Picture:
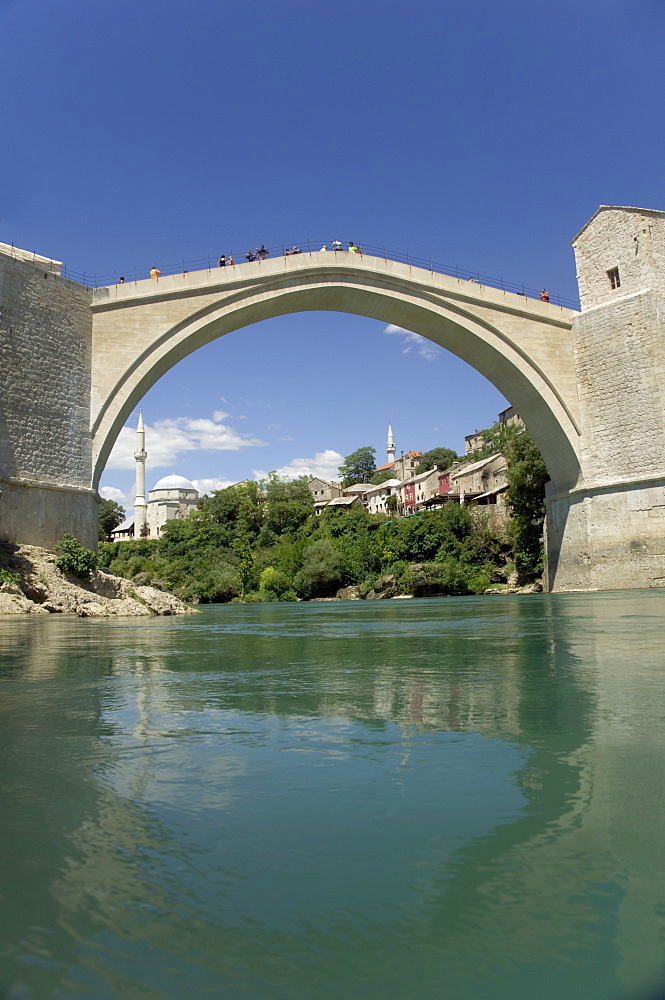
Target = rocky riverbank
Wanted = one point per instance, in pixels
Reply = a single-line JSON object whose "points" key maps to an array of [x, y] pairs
{"points": [[31, 583]]}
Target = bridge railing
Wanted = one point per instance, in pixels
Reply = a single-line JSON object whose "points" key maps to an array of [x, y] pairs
{"points": [[308, 246]]}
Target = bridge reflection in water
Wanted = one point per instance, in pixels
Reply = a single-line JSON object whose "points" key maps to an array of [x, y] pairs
{"points": [[331, 799]]}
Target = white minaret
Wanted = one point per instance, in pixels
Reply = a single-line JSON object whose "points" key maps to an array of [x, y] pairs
{"points": [[391, 450], [140, 506]]}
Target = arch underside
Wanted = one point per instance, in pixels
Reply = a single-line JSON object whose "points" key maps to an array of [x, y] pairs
{"points": [[479, 339]]}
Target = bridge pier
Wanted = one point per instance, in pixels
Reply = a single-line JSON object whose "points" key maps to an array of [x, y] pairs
{"points": [[38, 514], [608, 538]]}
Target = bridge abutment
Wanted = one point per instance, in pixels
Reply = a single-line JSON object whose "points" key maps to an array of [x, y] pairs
{"points": [[45, 442]]}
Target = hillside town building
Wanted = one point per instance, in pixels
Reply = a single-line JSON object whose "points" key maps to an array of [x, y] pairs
{"points": [[483, 482]]}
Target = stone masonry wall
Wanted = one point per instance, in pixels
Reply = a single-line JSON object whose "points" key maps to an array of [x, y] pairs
{"points": [[620, 361], [610, 533], [632, 240], [611, 539], [45, 447]]}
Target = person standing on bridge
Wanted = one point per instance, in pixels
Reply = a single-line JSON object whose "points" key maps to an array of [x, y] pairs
{"points": [[336, 245], [354, 249], [249, 256], [544, 296], [262, 252], [222, 261], [229, 260], [154, 272]]}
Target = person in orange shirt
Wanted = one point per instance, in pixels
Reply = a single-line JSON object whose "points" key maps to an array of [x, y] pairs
{"points": [[154, 273]]}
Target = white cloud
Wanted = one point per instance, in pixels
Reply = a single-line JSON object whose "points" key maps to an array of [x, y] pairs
{"points": [[208, 485], [113, 493], [324, 464], [167, 439], [413, 341]]}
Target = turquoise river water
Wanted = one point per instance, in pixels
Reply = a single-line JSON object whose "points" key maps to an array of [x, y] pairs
{"points": [[403, 800]]}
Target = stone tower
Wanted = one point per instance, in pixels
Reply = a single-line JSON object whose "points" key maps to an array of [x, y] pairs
{"points": [[609, 531], [140, 506], [620, 252], [391, 451]]}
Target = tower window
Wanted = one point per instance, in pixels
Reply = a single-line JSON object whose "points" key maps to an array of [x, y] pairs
{"points": [[613, 277]]}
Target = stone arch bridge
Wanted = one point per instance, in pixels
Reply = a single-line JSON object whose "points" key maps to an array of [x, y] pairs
{"points": [[79, 361]]}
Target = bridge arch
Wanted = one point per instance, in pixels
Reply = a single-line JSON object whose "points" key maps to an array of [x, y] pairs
{"points": [[142, 329]]}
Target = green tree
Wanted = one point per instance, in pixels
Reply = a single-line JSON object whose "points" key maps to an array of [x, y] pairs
{"points": [[436, 458], [321, 573], [240, 507], [246, 568], [525, 497], [358, 467], [288, 504], [110, 514], [381, 476], [274, 585]]}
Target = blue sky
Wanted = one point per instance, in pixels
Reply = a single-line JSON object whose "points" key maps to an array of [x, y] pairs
{"points": [[479, 134]]}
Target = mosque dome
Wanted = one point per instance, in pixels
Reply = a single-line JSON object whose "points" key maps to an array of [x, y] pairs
{"points": [[174, 483]]}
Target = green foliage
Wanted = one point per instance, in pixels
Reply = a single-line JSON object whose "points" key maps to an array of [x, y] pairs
{"points": [[436, 458], [382, 476], [247, 572], [449, 576], [287, 504], [274, 585], [322, 570], [239, 508], [358, 467], [6, 576], [75, 558], [217, 583], [110, 515], [527, 475], [263, 543]]}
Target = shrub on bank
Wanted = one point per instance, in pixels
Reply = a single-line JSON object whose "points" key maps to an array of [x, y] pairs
{"points": [[75, 558]]}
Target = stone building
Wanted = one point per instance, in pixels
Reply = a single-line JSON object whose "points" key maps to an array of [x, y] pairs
{"points": [[510, 417], [416, 490], [173, 496], [346, 502], [404, 466], [376, 498], [473, 442], [323, 492], [481, 480]]}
